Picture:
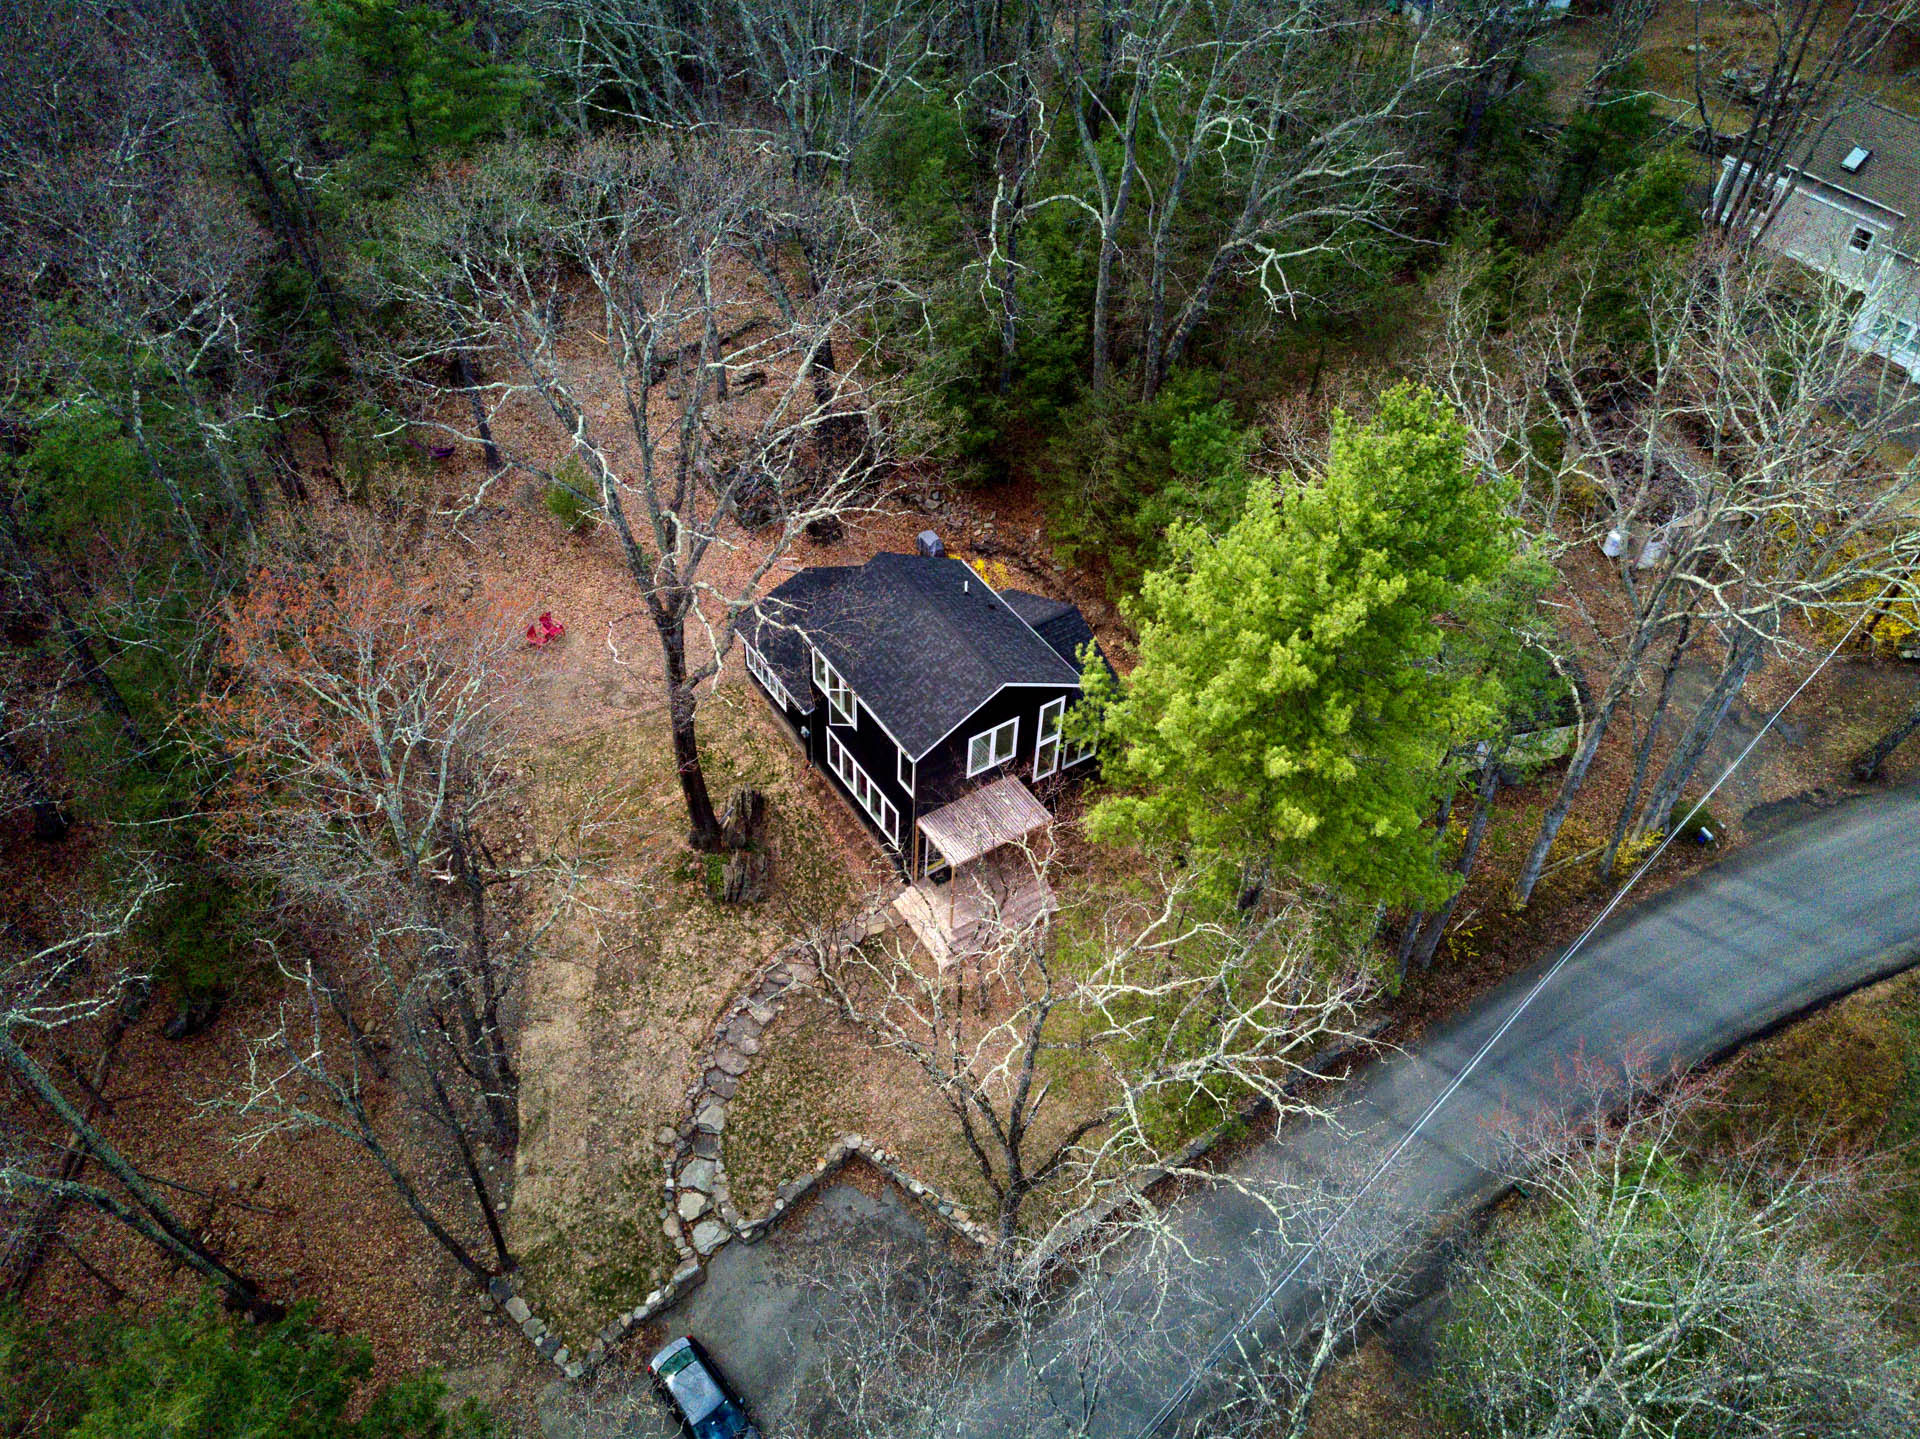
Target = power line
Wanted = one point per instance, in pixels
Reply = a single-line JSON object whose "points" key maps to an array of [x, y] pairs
{"points": [[1231, 1338]]}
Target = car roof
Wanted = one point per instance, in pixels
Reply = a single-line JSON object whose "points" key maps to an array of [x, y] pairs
{"points": [[694, 1386], [695, 1392]]}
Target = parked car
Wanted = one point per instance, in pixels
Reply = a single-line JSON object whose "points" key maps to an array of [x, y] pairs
{"points": [[699, 1394]]}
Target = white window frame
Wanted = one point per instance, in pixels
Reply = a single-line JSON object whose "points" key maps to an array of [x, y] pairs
{"points": [[1854, 241], [866, 793], [758, 667], [1900, 336], [1047, 748], [996, 756], [906, 771], [841, 700]]}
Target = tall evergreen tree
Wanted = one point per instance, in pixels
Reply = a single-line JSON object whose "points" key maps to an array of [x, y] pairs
{"points": [[406, 80], [1289, 707]]}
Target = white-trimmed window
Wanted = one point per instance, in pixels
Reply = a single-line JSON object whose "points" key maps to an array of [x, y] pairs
{"points": [[1861, 240], [1900, 338], [905, 771], [769, 681], [838, 692], [992, 747], [1046, 743], [878, 807]]}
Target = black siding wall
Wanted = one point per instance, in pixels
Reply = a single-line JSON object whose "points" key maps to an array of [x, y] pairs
{"points": [[875, 752], [941, 776], [943, 773]]}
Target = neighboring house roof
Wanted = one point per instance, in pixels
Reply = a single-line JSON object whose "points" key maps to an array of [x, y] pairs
{"points": [[1890, 176], [924, 642]]}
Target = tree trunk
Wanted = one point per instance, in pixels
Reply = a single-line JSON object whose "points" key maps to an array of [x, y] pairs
{"points": [[42, 1226], [410, 1196], [703, 825], [1576, 776], [1749, 651], [486, 1036], [1435, 929], [463, 375], [1644, 759], [1409, 938], [157, 1223], [476, 1180], [1008, 267], [242, 1294], [1191, 315], [1867, 767], [1415, 921]]}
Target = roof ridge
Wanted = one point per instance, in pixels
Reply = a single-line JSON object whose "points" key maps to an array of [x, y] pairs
{"points": [[1877, 103], [948, 626], [966, 636], [1020, 617]]}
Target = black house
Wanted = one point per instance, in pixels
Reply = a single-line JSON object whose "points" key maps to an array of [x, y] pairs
{"points": [[913, 683]]}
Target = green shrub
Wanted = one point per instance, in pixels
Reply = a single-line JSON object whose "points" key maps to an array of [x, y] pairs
{"points": [[199, 935], [566, 506], [1692, 822], [371, 461]]}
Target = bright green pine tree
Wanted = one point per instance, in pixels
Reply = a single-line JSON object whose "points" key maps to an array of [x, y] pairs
{"points": [[403, 81], [1289, 706]]}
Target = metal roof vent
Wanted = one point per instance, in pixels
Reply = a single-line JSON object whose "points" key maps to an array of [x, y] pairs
{"points": [[927, 545], [1856, 159]]}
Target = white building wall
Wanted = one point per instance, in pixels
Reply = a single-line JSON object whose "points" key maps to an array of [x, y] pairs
{"points": [[1825, 230]]}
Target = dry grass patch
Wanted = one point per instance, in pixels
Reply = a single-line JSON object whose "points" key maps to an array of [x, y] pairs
{"points": [[818, 1077], [627, 993]]}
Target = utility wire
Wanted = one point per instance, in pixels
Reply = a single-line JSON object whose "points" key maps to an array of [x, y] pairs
{"points": [[1231, 1339]]}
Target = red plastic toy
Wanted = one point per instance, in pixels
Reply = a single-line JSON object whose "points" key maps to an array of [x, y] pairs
{"points": [[543, 629]]}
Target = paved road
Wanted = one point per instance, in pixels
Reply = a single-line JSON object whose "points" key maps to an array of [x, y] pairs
{"points": [[1820, 908]]}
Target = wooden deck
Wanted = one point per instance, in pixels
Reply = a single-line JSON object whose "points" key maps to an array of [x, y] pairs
{"points": [[996, 896]]}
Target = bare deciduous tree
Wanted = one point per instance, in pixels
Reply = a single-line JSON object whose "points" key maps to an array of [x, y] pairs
{"points": [[369, 723], [1794, 64], [639, 301], [67, 983], [1736, 493], [1064, 1045], [1645, 1288], [812, 79], [159, 268]]}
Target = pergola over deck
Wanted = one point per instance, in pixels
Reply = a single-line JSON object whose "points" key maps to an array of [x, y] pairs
{"points": [[989, 893]]}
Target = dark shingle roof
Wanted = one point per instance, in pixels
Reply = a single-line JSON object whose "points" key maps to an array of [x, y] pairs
{"points": [[923, 642], [1060, 624], [1891, 176]]}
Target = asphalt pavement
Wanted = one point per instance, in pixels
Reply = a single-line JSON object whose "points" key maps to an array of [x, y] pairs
{"points": [[1817, 910]]}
